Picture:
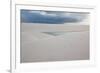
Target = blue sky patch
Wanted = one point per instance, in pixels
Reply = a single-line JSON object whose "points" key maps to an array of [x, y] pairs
{"points": [[51, 17]]}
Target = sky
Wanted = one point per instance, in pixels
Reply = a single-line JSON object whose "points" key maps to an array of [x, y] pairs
{"points": [[51, 17]]}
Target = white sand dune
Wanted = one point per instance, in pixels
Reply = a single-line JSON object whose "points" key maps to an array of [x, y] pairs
{"points": [[37, 46], [53, 27]]}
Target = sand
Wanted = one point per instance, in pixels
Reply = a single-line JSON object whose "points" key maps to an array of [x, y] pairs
{"points": [[66, 42]]}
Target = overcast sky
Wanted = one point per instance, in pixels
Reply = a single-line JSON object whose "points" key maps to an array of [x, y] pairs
{"points": [[51, 17]]}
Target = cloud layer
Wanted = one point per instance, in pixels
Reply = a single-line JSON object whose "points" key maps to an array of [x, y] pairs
{"points": [[51, 17]]}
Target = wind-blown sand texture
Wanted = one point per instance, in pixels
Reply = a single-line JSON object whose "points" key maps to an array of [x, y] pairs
{"points": [[42, 42]]}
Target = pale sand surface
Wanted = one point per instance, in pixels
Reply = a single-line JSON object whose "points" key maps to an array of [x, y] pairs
{"points": [[53, 27], [37, 46]]}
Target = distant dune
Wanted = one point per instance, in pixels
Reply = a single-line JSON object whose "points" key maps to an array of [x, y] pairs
{"points": [[53, 27]]}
